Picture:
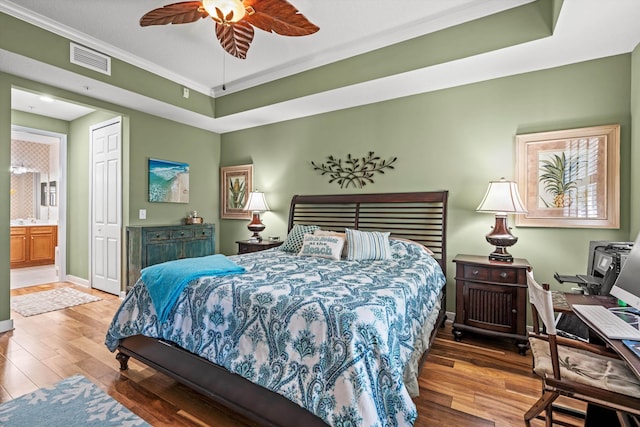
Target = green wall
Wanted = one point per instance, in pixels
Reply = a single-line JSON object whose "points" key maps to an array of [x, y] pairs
{"points": [[5, 186], [144, 136], [456, 139]]}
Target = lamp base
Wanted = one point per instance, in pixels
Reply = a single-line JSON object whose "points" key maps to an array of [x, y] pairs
{"points": [[501, 238], [506, 257], [256, 226]]}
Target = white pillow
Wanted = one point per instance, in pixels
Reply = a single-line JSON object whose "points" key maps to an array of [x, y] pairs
{"points": [[322, 246], [367, 245]]}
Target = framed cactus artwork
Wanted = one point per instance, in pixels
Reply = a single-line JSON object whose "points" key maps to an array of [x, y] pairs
{"points": [[236, 183], [570, 178]]}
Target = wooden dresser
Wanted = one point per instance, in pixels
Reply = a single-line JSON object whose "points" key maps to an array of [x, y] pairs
{"points": [[491, 298], [33, 245], [149, 245]]}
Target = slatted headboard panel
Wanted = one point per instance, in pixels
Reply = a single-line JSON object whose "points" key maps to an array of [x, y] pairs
{"points": [[420, 216]]}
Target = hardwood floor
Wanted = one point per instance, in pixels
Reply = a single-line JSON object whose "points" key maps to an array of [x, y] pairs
{"points": [[478, 382]]}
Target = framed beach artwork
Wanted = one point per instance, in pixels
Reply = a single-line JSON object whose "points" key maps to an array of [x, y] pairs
{"points": [[570, 178], [168, 181], [236, 183]]}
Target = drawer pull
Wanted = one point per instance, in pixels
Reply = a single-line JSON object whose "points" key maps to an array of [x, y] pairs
{"points": [[475, 272], [157, 236], [182, 233], [503, 275], [514, 311]]}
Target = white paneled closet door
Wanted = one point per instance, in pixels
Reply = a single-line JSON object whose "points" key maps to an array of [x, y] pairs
{"points": [[106, 206]]}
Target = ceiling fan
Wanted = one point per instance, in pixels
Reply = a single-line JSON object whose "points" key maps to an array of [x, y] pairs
{"points": [[235, 20]]}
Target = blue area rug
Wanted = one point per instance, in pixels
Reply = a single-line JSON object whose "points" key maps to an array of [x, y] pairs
{"points": [[74, 401]]}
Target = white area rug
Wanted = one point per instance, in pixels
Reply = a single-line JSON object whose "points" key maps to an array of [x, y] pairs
{"points": [[45, 301]]}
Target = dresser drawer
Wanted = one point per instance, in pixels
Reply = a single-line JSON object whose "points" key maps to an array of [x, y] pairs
{"points": [[157, 235], [182, 233], [491, 274], [201, 233]]}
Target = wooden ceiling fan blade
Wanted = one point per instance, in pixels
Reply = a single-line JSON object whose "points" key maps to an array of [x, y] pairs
{"points": [[175, 13], [280, 17], [236, 38]]}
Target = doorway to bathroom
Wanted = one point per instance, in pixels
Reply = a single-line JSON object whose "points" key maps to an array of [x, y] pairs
{"points": [[38, 215]]}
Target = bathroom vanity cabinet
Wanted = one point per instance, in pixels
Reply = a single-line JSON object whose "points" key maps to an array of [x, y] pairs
{"points": [[33, 245]]}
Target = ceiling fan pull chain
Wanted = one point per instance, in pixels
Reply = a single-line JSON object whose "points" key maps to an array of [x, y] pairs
{"points": [[224, 72]]}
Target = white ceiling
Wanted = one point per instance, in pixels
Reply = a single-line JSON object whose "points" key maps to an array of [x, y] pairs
{"points": [[191, 55], [36, 103]]}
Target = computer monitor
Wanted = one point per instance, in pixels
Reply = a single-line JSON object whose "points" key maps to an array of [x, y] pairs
{"points": [[627, 285]]}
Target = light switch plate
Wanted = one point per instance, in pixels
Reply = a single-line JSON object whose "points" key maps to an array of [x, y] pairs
{"points": [[142, 214]]}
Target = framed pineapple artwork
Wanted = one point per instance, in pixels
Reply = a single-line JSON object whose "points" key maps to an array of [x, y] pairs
{"points": [[570, 178], [236, 183]]}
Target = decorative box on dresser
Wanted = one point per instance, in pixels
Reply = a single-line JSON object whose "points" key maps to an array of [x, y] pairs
{"points": [[247, 246], [149, 245], [491, 298]]}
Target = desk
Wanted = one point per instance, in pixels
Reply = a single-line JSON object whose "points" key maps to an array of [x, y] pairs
{"points": [[597, 416], [632, 361]]}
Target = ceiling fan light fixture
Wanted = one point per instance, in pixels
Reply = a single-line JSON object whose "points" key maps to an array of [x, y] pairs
{"points": [[224, 11]]}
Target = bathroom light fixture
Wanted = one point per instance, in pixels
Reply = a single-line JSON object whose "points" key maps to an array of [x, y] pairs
{"points": [[18, 170]]}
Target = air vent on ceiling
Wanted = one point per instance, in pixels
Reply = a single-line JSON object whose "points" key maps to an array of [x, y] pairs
{"points": [[91, 59]]}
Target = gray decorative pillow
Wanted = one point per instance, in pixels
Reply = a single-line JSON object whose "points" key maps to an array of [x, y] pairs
{"points": [[293, 242]]}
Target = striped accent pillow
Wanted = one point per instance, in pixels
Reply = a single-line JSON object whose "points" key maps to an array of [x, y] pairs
{"points": [[367, 245]]}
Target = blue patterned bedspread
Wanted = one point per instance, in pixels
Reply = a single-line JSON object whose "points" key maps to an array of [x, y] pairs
{"points": [[333, 336]]}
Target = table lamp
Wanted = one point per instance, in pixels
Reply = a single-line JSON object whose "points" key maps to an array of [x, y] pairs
{"points": [[256, 204], [502, 198]]}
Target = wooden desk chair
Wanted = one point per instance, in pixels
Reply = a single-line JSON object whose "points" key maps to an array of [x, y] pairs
{"points": [[573, 368]]}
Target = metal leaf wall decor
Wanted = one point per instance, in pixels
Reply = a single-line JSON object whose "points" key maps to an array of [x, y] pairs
{"points": [[356, 172]]}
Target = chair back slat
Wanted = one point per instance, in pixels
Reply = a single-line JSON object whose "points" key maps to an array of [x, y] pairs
{"points": [[542, 301]]}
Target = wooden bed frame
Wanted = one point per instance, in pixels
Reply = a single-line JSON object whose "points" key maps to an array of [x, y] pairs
{"points": [[419, 216]]}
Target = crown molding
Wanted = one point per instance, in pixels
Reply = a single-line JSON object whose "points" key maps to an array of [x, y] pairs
{"points": [[86, 40], [464, 13]]}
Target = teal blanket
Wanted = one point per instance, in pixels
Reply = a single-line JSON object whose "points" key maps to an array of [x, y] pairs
{"points": [[166, 281]]}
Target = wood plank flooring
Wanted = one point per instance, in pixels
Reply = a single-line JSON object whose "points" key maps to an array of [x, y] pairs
{"points": [[477, 382]]}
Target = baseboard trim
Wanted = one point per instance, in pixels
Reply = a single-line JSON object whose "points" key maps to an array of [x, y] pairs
{"points": [[6, 325], [77, 281], [451, 316]]}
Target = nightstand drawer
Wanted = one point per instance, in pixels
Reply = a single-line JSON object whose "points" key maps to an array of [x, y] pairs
{"points": [[475, 272], [504, 275], [247, 246], [491, 274]]}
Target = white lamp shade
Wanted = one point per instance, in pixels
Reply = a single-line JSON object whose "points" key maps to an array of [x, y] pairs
{"points": [[256, 202], [502, 197]]}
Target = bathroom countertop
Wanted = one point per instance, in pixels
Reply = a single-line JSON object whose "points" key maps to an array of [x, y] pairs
{"points": [[32, 224]]}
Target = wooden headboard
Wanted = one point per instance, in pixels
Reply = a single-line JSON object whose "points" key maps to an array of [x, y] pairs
{"points": [[420, 216]]}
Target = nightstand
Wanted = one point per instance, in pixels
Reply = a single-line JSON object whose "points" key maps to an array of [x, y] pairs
{"points": [[491, 298], [246, 246]]}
